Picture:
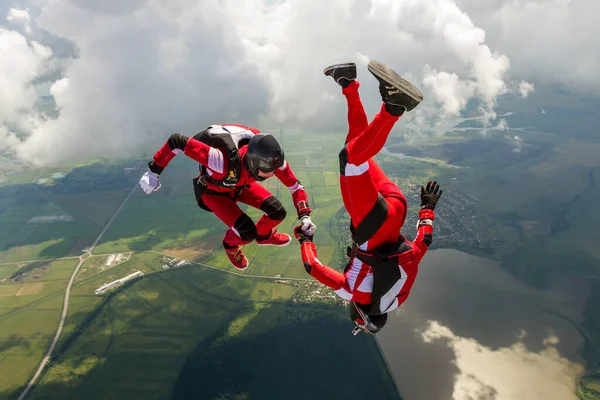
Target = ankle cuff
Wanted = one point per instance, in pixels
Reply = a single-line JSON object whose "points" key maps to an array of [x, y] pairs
{"points": [[227, 246], [259, 237], [393, 110], [351, 88]]}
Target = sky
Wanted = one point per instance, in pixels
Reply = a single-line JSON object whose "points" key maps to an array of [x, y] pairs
{"points": [[125, 74]]}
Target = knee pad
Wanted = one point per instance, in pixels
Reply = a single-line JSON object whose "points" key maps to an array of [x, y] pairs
{"points": [[245, 228], [273, 208], [343, 161]]}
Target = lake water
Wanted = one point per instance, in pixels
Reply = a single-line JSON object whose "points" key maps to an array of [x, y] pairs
{"points": [[470, 330]]}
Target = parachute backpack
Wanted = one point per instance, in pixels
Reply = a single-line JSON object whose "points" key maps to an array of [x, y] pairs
{"points": [[231, 141]]}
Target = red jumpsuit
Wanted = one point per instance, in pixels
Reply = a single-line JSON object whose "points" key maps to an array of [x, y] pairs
{"points": [[362, 183], [247, 190]]}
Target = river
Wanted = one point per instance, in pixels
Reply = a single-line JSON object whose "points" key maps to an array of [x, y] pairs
{"points": [[471, 331]]}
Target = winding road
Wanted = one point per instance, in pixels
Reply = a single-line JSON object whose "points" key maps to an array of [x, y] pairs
{"points": [[65, 308]]}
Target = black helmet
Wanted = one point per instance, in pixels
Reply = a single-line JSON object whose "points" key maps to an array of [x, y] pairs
{"points": [[367, 323], [264, 154]]}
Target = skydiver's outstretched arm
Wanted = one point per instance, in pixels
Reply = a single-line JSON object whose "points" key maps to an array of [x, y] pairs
{"points": [[194, 149], [324, 274], [429, 198], [178, 143]]}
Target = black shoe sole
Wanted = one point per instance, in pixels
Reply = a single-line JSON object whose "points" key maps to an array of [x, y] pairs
{"points": [[336, 66], [390, 76]]}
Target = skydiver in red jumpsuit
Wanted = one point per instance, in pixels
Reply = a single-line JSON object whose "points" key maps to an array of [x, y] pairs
{"points": [[383, 265], [233, 159]]}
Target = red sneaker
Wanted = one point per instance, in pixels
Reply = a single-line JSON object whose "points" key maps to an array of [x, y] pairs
{"points": [[237, 258], [276, 239]]}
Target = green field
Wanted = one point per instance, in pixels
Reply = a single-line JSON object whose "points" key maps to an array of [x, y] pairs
{"points": [[41, 221], [178, 332], [45, 221], [170, 221], [154, 338], [589, 387], [30, 306], [152, 329]]}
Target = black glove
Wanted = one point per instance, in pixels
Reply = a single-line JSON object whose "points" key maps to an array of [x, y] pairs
{"points": [[301, 236], [430, 195]]}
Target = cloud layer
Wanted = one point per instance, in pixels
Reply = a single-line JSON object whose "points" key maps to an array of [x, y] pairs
{"points": [[551, 42], [125, 74]]}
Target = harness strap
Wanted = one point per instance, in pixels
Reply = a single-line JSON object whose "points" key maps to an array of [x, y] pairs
{"points": [[374, 220], [386, 271], [234, 163], [200, 189]]}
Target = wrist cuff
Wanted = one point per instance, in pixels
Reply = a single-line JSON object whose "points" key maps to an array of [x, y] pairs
{"points": [[302, 215], [303, 239], [154, 167]]}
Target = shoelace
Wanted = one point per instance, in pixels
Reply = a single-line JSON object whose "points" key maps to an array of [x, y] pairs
{"points": [[392, 90], [237, 256]]}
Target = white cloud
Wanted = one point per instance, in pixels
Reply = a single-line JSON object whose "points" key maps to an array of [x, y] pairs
{"points": [[502, 125], [20, 63], [20, 17], [508, 373], [433, 43], [525, 88], [516, 142], [146, 69], [549, 42], [7, 139], [449, 90]]}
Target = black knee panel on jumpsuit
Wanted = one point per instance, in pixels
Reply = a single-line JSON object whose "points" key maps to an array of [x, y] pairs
{"points": [[245, 227], [273, 208]]}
